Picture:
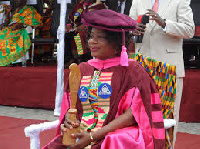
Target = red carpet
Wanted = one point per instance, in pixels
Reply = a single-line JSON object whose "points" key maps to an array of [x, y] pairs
{"points": [[187, 141], [13, 137], [12, 133], [189, 102]]}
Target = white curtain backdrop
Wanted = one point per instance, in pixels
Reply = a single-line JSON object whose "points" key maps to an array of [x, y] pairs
{"points": [[60, 57]]}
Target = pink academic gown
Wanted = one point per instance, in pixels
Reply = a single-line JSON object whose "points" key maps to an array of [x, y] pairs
{"points": [[131, 87]]}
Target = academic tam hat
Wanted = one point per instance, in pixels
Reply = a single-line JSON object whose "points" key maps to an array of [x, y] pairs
{"points": [[107, 19]]}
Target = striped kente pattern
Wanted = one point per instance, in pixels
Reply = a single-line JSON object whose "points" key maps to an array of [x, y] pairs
{"points": [[165, 78], [103, 105], [79, 47], [93, 97]]}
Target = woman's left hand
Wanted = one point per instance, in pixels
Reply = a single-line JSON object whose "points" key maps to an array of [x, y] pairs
{"points": [[83, 140]]}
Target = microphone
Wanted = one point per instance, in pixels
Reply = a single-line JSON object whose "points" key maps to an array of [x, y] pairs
{"points": [[144, 20]]}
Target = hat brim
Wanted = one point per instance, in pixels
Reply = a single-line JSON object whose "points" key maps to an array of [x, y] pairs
{"points": [[108, 20]]}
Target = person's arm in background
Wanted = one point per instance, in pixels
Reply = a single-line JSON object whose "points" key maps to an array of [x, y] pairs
{"points": [[7, 14], [184, 27], [112, 4], [128, 4], [133, 11], [16, 26], [140, 29]]}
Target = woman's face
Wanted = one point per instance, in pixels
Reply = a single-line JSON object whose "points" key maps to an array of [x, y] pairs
{"points": [[99, 46]]}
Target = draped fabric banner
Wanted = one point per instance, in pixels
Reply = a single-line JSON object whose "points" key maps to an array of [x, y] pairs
{"points": [[60, 57], [164, 76]]}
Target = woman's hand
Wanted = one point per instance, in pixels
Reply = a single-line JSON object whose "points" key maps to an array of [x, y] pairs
{"points": [[83, 140], [122, 121], [68, 124]]}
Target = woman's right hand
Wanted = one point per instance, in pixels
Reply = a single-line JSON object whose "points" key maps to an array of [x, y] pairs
{"points": [[68, 124]]}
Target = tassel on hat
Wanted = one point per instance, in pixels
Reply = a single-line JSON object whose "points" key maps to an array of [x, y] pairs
{"points": [[124, 55]]}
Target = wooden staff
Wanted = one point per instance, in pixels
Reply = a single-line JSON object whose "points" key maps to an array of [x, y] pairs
{"points": [[74, 83]]}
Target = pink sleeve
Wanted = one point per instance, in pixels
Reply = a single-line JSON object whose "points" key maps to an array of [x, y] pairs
{"points": [[141, 117], [65, 105], [133, 100], [150, 132], [125, 102]]}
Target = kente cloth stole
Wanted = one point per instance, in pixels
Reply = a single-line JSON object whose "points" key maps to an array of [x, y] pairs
{"points": [[79, 47], [164, 76], [77, 14], [95, 109]]}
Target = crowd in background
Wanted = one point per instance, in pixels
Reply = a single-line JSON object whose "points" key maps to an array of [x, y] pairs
{"points": [[76, 49], [163, 32]]}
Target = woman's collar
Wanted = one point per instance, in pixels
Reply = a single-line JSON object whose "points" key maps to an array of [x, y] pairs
{"points": [[104, 64]]}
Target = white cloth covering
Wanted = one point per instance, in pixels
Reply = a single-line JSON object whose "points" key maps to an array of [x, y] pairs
{"points": [[60, 58], [33, 131]]}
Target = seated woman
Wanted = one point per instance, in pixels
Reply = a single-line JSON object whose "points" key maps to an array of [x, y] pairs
{"points": [[14, 38], [118, 105]]}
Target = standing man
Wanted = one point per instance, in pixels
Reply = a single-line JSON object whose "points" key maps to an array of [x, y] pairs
{"points": [[170, 22], [116, 5]]}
